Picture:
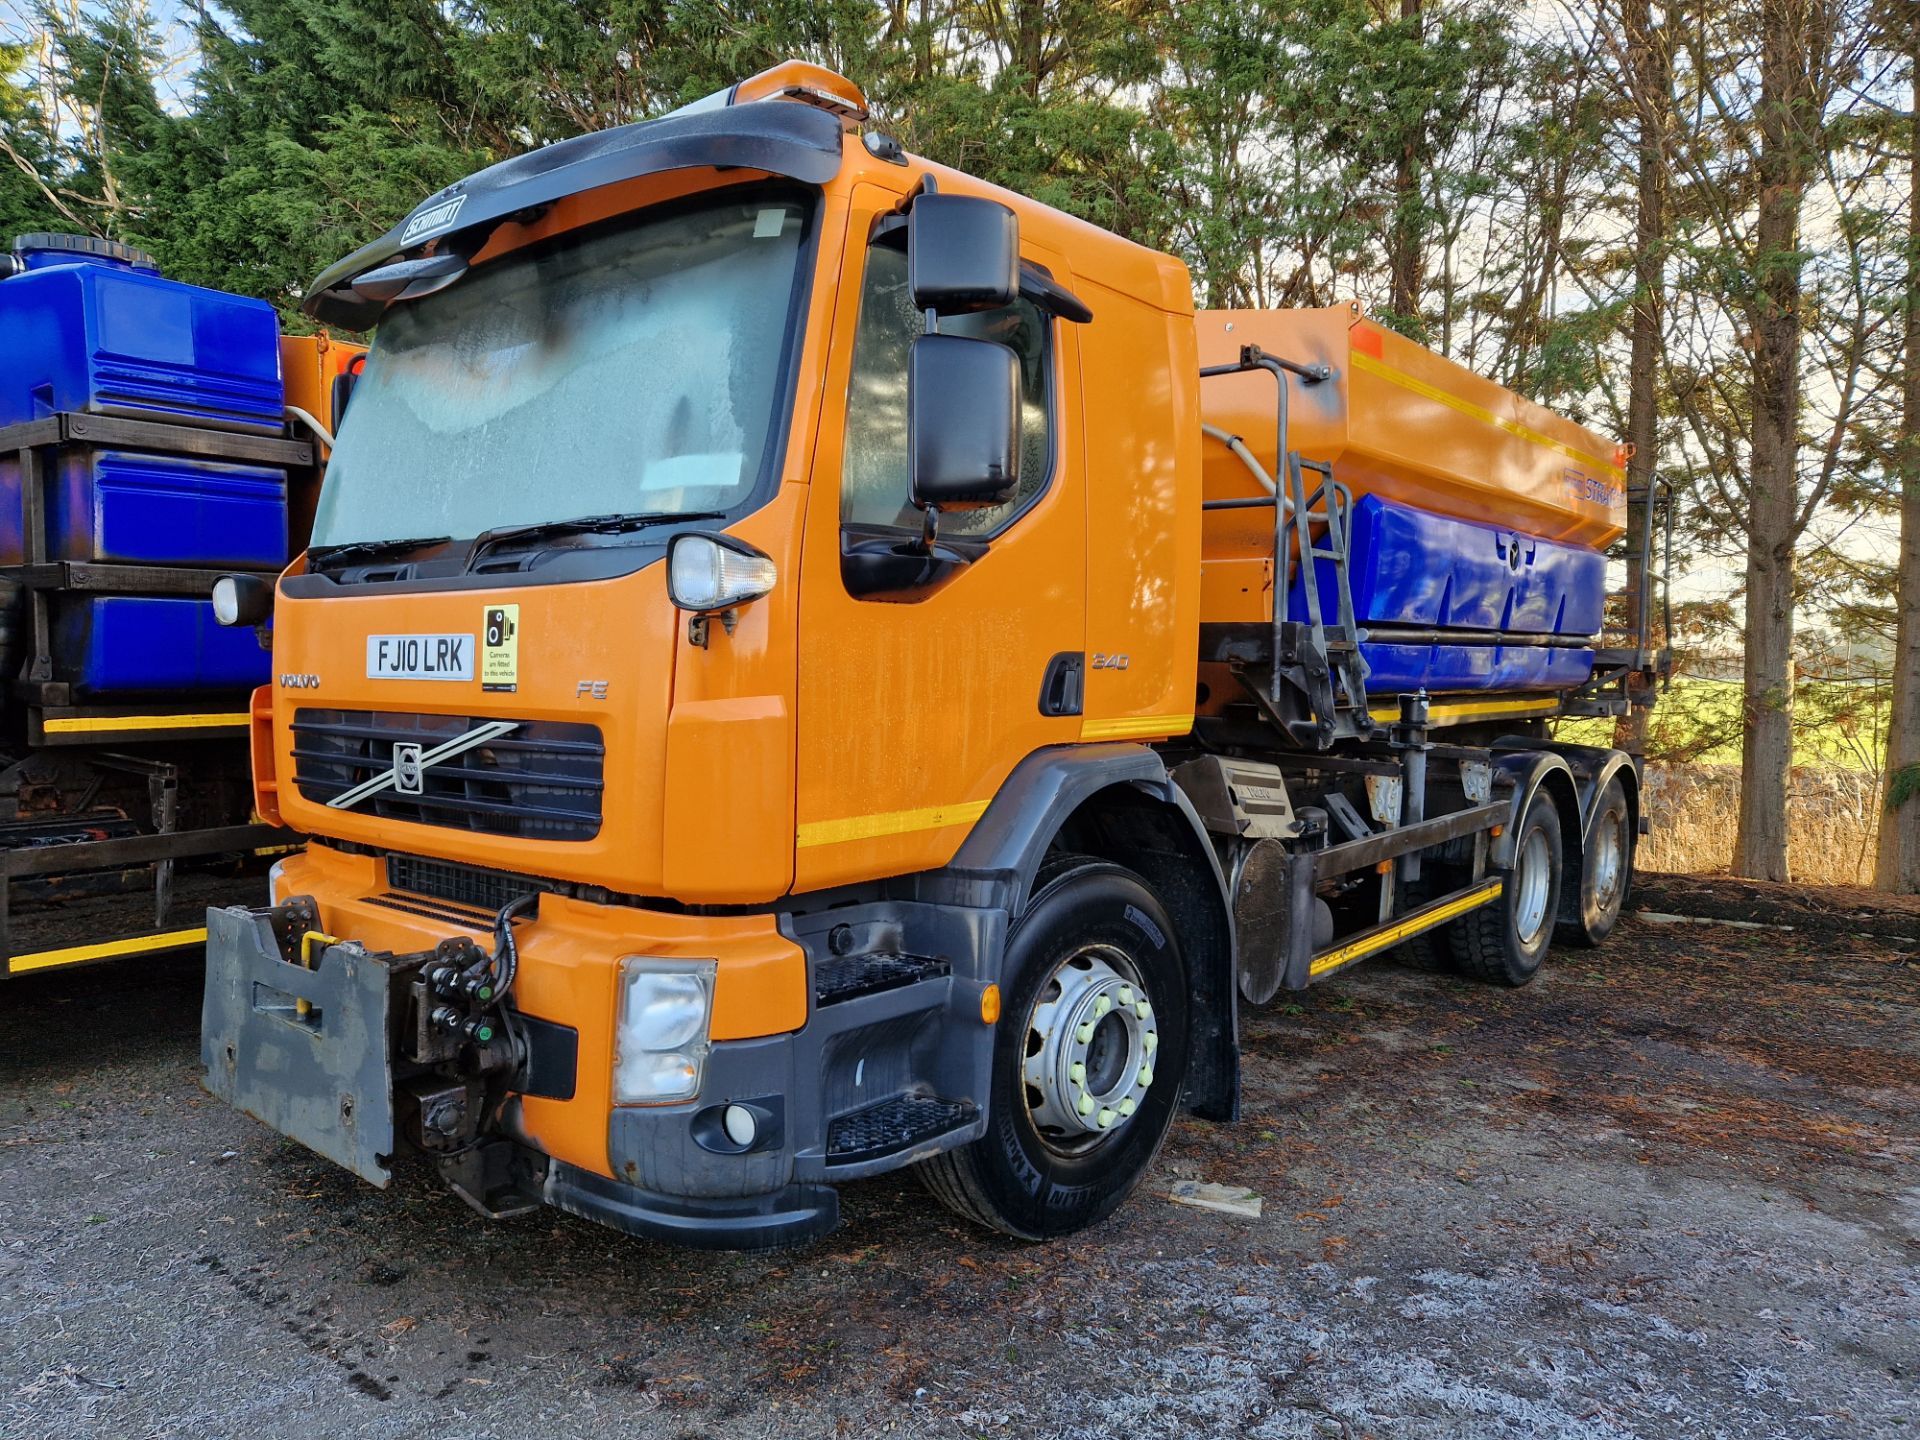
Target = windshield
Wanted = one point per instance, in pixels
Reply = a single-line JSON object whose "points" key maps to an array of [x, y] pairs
{"points": [[636, 370]]}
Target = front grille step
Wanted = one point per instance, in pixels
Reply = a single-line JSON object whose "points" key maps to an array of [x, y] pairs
{"points": [[433, 910], [457, 884], [848, 977], [892, 1126]]}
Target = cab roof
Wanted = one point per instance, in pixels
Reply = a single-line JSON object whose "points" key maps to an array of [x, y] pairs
{"points": [[795, 141]]}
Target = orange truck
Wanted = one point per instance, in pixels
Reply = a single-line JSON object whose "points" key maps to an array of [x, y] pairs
{"points": [[809, 664]]}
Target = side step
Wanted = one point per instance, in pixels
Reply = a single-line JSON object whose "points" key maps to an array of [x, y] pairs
{"points": [[848, 977], [893, 1125], [1381, 937]]}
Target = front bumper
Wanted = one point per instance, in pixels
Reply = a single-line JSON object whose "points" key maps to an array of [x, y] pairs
{"points": [[891, 1066], [787, 1216]]}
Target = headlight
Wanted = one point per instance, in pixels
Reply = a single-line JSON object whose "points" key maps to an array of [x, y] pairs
{"points": [[706, 573], [661, 1044]]}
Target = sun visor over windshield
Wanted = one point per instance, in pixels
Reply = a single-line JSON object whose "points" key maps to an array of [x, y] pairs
{"points": [[796, 142]]}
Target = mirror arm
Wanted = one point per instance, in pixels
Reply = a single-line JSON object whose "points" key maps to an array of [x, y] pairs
{"points": [[929, 527]]}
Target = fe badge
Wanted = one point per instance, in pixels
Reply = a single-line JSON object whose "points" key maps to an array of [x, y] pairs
{"points": [[500, 648]]}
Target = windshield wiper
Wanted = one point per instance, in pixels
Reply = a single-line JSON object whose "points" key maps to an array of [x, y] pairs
{"points": [[374, 547], [616, 524]]}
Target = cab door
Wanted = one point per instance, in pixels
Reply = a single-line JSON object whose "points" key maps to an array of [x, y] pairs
{"points": [[916, 703]]}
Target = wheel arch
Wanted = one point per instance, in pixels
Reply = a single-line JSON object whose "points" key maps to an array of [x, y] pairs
{"points": [[1118, 803], [1543, 772], [1578, 774]]}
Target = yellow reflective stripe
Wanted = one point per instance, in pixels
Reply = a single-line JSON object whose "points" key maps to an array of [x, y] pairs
{"points": [[1467, 407], [1388, 714], [1394, 934], [107, 949], [71, 724], [890, 822], [1132, 727]]}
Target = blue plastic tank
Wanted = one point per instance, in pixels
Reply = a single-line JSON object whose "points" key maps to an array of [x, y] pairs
{"points": [[90, 325], [1483, 583], [107, 645], [127, 507]]}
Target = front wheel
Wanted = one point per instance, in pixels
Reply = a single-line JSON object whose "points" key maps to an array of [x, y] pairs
{"points": [[1506, 940], [1088, 1062]]}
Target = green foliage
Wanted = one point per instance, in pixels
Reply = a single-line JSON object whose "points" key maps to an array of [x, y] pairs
{"points": [[25, 153], [1469, 170]]}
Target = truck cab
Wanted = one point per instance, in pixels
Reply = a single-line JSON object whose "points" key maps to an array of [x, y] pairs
{"points": [[736, 692]]}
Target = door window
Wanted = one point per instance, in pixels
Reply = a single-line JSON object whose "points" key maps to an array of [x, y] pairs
{"points": [[873, 480]]}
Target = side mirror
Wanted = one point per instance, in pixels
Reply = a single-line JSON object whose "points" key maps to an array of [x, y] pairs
{"points": [[343, 384], [963, 254], [242, 599], [963, 422]]}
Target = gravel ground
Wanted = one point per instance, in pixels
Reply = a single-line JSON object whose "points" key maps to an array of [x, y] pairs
{"points": [[1666, 1191]]}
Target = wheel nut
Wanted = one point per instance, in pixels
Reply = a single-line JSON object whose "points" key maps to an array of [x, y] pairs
{"points": [[1077, 1073], [1142, 1009], [1127, 1107], [1126, 995], [1102, 1005], [1146, 1075], [1084, 1033], [1151, 1040], [1106, 1118], [1085, 1107]]}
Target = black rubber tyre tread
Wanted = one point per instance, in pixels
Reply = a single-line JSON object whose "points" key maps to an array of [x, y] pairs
{"points": [[960, 1179], [1483, 941], [948, 1177], [1430, 950], [1589, 931]]}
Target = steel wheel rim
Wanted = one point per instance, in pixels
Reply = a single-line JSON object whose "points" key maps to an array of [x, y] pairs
{"points": [[1609, 860], [1532, 880], [1090, 1044]]}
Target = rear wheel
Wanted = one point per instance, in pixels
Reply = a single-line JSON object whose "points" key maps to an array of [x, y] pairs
{"points": [[1505, 941], [1606, 875], [1088, 1061]]}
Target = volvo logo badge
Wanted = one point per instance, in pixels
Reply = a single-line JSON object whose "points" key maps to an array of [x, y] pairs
{"points": [[409, 775]]}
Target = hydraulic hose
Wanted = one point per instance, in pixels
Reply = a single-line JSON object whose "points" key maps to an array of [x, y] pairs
{"points": [[306, 419], [1239, 447]]}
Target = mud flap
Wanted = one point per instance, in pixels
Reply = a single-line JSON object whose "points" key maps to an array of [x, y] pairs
{"points": [[320, 1073]]}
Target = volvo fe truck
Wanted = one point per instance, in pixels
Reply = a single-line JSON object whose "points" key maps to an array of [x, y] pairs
{"points": [[809, 664]]}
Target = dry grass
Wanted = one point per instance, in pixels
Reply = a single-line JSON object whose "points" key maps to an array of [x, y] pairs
{"points": [[1832, 814]]}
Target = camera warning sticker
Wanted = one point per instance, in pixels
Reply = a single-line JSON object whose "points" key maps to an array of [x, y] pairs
{"points": [[500, 648]]}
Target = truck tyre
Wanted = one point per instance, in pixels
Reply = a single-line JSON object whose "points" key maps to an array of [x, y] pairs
{"points": [[1606, 875], [1088, 1061], [1505, 941]]}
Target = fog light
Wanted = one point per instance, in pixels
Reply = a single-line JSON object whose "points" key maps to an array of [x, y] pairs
{"points": [[742, 1129]]}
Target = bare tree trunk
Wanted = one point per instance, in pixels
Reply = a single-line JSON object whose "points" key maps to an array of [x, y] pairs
{"points": [[1787, 52], [1403, 246], [1897, 863], [1650, 74]]}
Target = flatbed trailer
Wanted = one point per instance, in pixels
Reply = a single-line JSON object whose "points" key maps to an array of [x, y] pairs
{"points": [[810, 664]]}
